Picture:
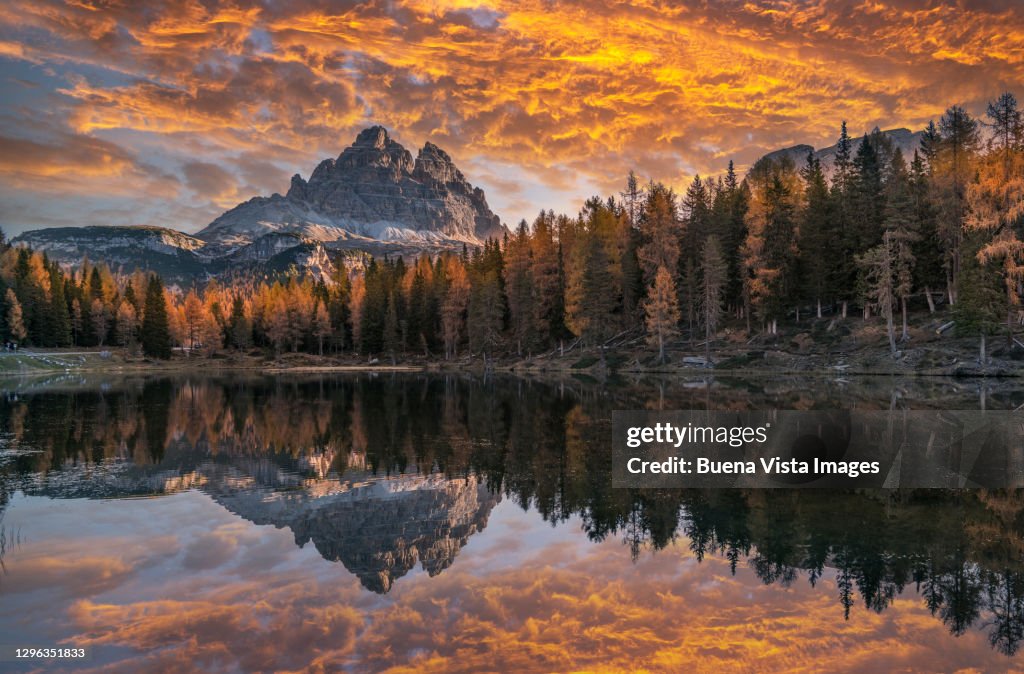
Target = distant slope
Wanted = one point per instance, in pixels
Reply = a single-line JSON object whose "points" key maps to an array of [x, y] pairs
{"points": [[902, 139], [170, 253]]}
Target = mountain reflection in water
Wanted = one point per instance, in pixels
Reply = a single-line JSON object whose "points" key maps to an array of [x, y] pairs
{"points": [[386, 474]]}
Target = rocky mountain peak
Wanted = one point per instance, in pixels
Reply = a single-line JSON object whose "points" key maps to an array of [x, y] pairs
{"points": [[374, 136], [434, 163], [374, 148], [374, 191]]}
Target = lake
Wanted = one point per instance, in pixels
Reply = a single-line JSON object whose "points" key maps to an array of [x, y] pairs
{"points": [[440, 523]]}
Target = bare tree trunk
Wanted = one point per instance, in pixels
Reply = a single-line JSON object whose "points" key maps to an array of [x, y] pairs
{"points": [[844, 308], [707, 344], [906, 330], [891, 331], [819, 307], [982, 349], [931, 300]]}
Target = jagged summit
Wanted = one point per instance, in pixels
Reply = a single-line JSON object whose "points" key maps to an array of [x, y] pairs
{"points": [[373, 191]]}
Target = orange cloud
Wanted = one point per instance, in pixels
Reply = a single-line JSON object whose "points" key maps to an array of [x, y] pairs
{"points": [[592, 89], [567, 609]]}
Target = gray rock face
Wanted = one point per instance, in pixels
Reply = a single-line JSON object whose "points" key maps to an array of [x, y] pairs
{"points": [[902, 139], [374, 190]]}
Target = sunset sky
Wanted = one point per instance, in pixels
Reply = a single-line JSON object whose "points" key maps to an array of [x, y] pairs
{"points": [[168, 113]]}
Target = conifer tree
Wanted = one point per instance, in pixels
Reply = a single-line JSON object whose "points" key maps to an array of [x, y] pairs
{"points": [[817, 237], [714, 273], [959, 139], [1007, 126], [589, 304], [844, 269], [879, 265], [927, 249], [486, 312], [15, 318], [902, 226], [662, 312], [60, 330], [519, 289], [391, 328], [661, 231], [155, 334], [632, 199]]}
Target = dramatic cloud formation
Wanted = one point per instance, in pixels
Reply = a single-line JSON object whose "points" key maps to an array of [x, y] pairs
{"points": [[222, 594], [169, 111]]}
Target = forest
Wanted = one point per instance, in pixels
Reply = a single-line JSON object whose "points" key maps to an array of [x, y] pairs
{"points": [[875, 233]]}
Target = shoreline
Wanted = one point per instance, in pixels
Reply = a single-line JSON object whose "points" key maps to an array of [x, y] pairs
{"points": [[32, 363]]}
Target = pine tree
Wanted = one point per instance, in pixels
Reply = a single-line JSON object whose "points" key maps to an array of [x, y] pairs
{"points": [[902, 226], [714, 273], [662, 312], [155, 334], [661, 231], [589, 306], [1007, 126], [239, 325], [930, 141], [879, 265], [60, 334], [817, 238], [954, 162], [770, 250], [548, 304], [392, 338], [374, 308], [867, 197], [100, 320], [632, 199], [927, 249], [126, 322], [453, 307], [519, 288], [15, 319], [982, 303], [486, 312], [844, 270]]}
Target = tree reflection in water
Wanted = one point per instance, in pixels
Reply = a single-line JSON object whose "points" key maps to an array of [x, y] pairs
{"points": [[460, 444]]}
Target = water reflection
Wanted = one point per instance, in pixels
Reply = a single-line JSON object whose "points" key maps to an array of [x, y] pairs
{"points": [[385, 474]]}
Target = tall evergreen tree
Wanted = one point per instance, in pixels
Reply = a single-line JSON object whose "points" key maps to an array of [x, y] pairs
{"points": [[713, 278], [155, 333], [954, 161], [817, 237], [927, 249]]}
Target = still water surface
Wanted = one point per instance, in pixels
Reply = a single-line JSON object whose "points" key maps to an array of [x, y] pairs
{"points": [[424, 523]]}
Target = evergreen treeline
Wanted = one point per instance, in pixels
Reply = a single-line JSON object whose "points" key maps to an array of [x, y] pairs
{"points": [[876, 232]]}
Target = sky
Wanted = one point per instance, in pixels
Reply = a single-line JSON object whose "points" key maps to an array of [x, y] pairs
{"points": [[168, 113]]}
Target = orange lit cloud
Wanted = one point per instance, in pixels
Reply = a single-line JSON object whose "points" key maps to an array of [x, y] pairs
{"points": [[569, 606], [586, 90]]}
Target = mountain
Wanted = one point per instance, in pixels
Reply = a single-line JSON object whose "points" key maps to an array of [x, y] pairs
{"points": [[168, 252], [374, 191], [904, 140], [378, 528], [373, 199]]}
